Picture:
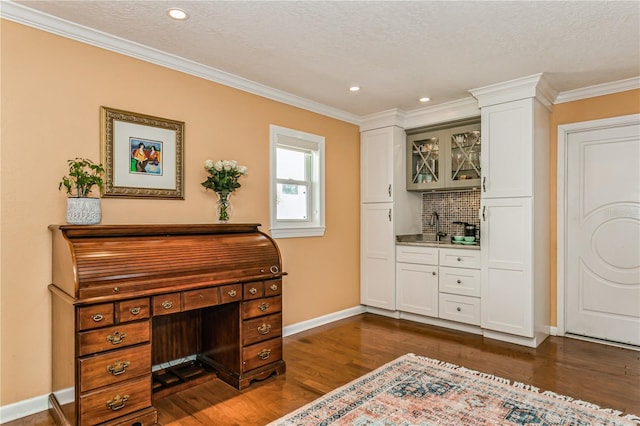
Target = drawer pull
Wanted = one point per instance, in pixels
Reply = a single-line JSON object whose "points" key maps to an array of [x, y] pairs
{"points": [[459, 281], [433, 273], [116, 289], [116, 337], [232, 293], [459, 259], [273, 287], [167, 304], [253, 290], [135, 310], [263, 306], [118, 402], [264, 354], [264, 329], [97, 317], [458, 309], [118, 367]]}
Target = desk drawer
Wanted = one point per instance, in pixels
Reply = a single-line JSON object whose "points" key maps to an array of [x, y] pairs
{"points": [[254, 290], [256, 308], [262, 353], [114, 367], [230, 293], [95, 316], [135, 309], [196, 299], [115, 401], [263, 328], [114, 337], [272, 288], [459, 308], [166, 304]]}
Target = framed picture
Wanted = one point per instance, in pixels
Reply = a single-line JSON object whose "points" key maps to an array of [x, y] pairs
{"points": [[142, 155]]}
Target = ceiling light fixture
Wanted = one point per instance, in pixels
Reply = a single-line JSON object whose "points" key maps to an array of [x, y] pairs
{"points": [[177, 14], [354, 88], [424, 99]]}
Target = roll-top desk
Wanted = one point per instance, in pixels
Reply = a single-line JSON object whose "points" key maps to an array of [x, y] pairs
{"points": [[195, 301]]}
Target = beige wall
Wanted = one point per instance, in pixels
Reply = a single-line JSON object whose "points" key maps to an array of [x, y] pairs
{"points": [[52, 90], [614, 105]]}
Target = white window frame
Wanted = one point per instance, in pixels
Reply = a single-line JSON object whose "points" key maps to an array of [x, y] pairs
{"points": [[314, 226]]}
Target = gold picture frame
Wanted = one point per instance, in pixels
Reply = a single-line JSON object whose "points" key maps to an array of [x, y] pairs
{"points": [[142, 155]]}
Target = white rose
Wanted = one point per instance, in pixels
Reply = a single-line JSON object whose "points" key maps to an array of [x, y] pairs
{"points": [[208, 165], [242, 170], [218, 166], [227, 165]]}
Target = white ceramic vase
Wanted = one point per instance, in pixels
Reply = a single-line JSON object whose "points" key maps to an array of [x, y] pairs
{"points": [[83, 211]]}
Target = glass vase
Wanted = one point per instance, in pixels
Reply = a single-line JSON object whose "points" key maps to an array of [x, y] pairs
{"points": [[223, 207]]}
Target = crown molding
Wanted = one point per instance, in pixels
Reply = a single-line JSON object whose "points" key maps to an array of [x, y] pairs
{"points": [[533, 86], [23, 15], [391, 117], [598, 90], [441, 113]]}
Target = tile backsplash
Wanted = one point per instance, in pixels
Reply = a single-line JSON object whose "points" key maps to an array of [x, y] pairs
{"points": [[451, 207]]}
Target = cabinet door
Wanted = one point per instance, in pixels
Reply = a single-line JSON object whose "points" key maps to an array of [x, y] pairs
{"points": [[376, 164], [417, 288], [462, 165], [425, 167], [377, 269], [507, 158], [506, 275]]}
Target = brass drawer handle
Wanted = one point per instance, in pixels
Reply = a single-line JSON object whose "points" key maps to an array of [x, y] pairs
{"points": [[263, 306], [264, 354], [167, 304], [273, 287], [253, 290], [97, 317], [232, 293], [118, 402], [264, 329], [116, 338], [135, 310], [118, 367]]}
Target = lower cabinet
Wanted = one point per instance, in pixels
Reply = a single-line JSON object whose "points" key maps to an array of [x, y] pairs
{"points": [[439, 282]]}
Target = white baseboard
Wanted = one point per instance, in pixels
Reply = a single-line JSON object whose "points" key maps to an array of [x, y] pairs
{"points": [[40, 403]]}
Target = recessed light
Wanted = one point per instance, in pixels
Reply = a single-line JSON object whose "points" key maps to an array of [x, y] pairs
{"points": [[177, 14], [424, 99], [354, 88]]}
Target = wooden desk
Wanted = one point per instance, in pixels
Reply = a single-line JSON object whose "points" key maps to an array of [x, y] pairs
{"points": [[129, 297]]}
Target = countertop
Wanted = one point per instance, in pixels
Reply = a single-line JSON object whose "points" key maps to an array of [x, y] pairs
{"points": [[430, 241]]}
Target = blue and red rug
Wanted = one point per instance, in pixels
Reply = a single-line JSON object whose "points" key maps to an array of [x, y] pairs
{"points": [[419, 391]]}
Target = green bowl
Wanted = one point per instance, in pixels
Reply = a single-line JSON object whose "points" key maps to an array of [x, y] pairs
{"points": [[469, 239], [458, 238]]}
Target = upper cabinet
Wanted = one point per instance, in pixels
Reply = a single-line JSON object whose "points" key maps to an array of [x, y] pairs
{"points": [[444, 157], [377, 165]]}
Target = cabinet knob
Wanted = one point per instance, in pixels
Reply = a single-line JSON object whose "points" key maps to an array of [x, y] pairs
{"points": [[458, 309], [459, 259], [459, 281], [433, 273]]}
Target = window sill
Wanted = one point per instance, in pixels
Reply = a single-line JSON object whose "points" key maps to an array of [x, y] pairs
{"points": [[315, 231]]}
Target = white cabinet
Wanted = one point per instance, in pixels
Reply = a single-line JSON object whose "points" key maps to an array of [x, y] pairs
{"points": [[386, 210], [417, 280], [514, 210]]}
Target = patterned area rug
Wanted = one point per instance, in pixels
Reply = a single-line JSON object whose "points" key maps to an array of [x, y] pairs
{"points": [[419, 391]]}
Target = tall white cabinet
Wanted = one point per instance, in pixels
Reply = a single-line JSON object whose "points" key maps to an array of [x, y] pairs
{"points": [[514, 210], [387, 209]]}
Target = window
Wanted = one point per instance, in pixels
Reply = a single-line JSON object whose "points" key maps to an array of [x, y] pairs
{"points": [[297, 183]]}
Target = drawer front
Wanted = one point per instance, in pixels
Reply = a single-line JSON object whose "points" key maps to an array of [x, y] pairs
{"points": [[259, 329], [95, 316], [196, 299], [113, 337], [465, 282], [253, 290], [115, 401], [262, 353], [459, 308], [231, 293], [272, 288], [460, 258], [166, 304], [114, 367], [256, 308], [416, 254], [131, 310]]}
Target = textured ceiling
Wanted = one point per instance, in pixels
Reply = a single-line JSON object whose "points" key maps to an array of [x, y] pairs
{"points": [[396, 51]]}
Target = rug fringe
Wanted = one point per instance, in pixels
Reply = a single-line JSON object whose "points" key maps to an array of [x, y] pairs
{"points": [[632, 417]]}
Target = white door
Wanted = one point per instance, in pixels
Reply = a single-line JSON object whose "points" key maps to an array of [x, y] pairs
{"points": [[377, 269], [602, 257]]}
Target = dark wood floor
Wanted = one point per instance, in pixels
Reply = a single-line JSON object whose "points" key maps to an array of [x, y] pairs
{"points": [[327, 357]]}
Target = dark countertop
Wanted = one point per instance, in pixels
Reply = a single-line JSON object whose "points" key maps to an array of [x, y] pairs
{"points": [[430, 241]]}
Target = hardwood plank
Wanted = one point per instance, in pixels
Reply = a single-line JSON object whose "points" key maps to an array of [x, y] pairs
{"points": [[324, 358]]}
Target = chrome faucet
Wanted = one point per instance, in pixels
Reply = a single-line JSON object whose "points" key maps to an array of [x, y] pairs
{"points": [[435, 220]]}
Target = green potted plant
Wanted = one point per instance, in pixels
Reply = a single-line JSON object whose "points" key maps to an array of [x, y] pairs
{"points": [[83, 175]]}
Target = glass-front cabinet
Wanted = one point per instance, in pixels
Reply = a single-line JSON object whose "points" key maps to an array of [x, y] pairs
{"points": [[444, 157]]}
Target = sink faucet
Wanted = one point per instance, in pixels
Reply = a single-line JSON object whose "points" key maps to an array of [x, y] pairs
{"points": [[435, 220]]}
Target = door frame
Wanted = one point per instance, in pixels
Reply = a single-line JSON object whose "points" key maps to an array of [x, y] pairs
{"points": [[564, 131]]}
